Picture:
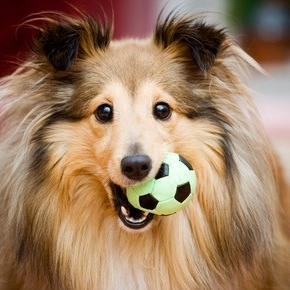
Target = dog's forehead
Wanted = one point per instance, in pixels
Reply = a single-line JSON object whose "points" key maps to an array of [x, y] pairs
{"points": [[131, 62]]}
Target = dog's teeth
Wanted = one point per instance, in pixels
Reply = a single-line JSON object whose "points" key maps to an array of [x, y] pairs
{"points": [[130, 219], [142, 219], [136, 220], [124, 211]]}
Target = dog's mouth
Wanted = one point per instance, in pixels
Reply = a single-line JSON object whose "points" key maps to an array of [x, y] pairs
{"points": [[131, 217]]}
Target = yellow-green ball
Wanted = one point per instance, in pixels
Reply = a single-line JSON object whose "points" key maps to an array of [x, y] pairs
{"points": [[171, 189]]}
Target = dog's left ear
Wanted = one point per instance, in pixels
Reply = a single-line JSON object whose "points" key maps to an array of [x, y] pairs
{"points": [[63, 42], [191, 38]]}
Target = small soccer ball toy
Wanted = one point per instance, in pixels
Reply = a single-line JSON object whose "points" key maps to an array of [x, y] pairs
{"points": [[171, 189]]}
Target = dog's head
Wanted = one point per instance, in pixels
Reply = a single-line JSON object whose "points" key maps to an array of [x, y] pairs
{"points": [[114, 108]]}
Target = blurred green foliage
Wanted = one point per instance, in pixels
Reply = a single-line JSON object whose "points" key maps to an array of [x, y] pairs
{"points": [[241, 11]]}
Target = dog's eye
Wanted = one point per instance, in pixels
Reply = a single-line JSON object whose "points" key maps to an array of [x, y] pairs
{"points": [[162, 111], [104, 113]]}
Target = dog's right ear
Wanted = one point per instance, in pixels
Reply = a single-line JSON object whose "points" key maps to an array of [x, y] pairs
{"points": [[62, 42]]}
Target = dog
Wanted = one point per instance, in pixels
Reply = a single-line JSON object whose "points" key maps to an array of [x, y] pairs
{"points": [[82, 105]]}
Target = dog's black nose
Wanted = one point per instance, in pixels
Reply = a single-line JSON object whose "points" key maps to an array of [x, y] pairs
{"points": [[136, 167]]}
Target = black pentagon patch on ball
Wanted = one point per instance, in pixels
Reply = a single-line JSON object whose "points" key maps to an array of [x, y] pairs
{"points": [[148, 201], [185, 162], [163, 171], [182, 192]]}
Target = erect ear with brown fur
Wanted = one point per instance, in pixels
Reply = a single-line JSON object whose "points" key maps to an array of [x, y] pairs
{"points": [[63, 41], [203, 42]]}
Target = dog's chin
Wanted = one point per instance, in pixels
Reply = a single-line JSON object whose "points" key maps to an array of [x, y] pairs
{"points": [[132, 218]]}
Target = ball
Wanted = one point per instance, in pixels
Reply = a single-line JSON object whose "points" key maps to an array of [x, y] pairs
{"points": [[172, 188]]}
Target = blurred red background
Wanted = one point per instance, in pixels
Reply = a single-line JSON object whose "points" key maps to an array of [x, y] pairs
{"points": [[132, 18]]}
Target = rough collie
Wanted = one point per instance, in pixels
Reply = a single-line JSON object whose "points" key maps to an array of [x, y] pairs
{"points": [[82, 103]]}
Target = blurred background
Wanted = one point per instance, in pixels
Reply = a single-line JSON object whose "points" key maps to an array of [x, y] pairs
{"points": [[262, 28]]}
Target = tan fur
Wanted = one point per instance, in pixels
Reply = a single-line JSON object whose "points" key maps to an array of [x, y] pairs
{"points": [[229, 237]]}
